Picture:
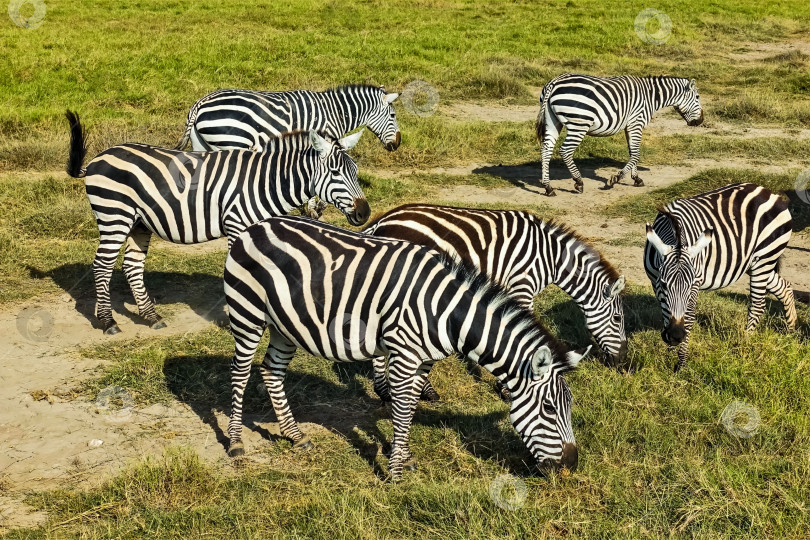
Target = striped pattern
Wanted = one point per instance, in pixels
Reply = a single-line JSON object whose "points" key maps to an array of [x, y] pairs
{"points": [[524, 254], [247, 119], [603, 106], [708, 242], [347, 297], [136, 190]]}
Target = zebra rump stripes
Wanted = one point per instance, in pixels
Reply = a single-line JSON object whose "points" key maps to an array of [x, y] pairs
{"points": [[136, 190], [247, 119], [347, 297], [603, 106], [708, 242]]}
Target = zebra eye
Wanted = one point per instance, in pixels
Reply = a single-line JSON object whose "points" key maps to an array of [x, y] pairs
{"points": [[549, 408], [617, 318]]}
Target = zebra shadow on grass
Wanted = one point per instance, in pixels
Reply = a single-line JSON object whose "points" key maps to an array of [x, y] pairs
{"points": [[204, 384], [527, 175], [201, 292]]}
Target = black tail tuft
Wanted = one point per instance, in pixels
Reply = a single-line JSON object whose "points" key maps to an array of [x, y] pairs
{"points": [[78, 146]]}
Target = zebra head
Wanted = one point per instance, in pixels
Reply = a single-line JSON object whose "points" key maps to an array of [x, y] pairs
{"points": [[541, 407], [678, 281], [688, 104], [381, 119], [605, 320], [336, 177]]}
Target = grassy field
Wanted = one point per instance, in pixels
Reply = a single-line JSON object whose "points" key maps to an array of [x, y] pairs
{"points": [[655, 458]]}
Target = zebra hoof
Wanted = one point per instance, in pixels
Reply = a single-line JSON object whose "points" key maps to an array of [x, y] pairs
{"points": [[158, 324], [112, 330], [409, 465], [579, 187], [638, 183], [303, 444], [550, 192], [236, 449], [678, 367]]}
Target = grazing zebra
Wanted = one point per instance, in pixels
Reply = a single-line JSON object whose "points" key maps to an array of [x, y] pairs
{"points": [[136, 190], [708, 242], [603, 106], [347, 297], [246, 119], [523, 253]]}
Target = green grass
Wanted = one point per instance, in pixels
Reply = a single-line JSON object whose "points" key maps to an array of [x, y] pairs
{"points": [[655, 458]]}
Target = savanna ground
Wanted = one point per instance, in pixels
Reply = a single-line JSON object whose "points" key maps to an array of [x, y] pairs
{"points": [[655, 459]]}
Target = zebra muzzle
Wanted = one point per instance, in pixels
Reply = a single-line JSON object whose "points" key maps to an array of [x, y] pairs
{"points": [[360, 212], [697, 121], [674, 333], [393, 145]]}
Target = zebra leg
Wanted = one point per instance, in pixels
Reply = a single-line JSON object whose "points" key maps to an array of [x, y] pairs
{"points": [[780, 287], [759, 290], [551, 131], [246, 340], [112, 237], [573, 138], [683, 353], [381, 387], [406, 384], [134, 256], [280, 352], [633, 135]]}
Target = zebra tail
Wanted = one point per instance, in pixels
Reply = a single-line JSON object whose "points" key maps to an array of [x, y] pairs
{"points": [[78, 146], [184, 139]]}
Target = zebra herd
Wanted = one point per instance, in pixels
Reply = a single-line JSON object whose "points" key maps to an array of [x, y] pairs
{"points": [[422, 281]]}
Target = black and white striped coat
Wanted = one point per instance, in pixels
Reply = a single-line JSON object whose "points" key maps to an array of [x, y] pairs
{"points": [[347, 296], [246, 119], [524, 254], [711, 240], [603, 106], [136, 190]]}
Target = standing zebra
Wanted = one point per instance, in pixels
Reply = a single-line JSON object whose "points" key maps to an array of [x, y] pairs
{"points": [[347, 297], [708, 242], [247, 119], [603, 106], [136, 190], [524, 254]]}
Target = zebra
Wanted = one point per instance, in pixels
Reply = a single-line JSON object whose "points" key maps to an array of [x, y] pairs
{"points": [[246, 119], [603, 106], [136, 190], [708, 242], [523, 253], [348, 296]]}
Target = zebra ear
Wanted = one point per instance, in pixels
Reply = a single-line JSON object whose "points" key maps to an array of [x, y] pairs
{"points": [[349, 141], [389, 98], [541, 362], [692, 84], [659, 245], [321, 145], [616, 288], [702, 243], [572, 358]]}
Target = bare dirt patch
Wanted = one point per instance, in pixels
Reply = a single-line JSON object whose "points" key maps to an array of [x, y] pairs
{"points": [[756, 52]]}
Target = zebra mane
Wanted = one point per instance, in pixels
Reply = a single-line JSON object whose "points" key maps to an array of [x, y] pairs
{"points": [[565, 230], [676, 226], [494, 295], [348, 87]]}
